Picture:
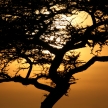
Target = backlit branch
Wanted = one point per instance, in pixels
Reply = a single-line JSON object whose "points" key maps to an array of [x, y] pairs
{"points": [[34, 81], [88, 64]]}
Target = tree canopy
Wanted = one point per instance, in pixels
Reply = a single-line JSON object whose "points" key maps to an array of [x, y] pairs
{"points": [[41, 33]]}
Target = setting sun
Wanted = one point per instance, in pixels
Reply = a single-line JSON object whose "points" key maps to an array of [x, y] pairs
{"points": [[53, 54]]}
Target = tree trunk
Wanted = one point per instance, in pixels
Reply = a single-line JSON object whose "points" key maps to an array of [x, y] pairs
{"points": [[54, 95]]}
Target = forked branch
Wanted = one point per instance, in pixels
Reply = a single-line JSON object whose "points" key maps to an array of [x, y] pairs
{"points": [[88, 64], [34, 81]]}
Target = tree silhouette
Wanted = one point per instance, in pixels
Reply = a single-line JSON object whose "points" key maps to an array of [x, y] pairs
{"points": [[34, 33]]}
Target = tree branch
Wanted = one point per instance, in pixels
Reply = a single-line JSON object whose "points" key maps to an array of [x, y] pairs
{"points": [[88, 64], [25, 81]]}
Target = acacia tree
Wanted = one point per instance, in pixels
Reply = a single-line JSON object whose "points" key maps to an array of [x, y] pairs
{"points": [[34, 32]]}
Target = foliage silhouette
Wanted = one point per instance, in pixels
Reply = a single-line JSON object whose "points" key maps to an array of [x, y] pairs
{"points": [[33, 32]]}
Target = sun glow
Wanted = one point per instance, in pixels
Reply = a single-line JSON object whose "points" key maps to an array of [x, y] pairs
{"points": [[61, 21], [80, 19]]}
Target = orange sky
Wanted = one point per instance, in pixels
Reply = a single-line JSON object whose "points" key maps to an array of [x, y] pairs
{"points": [[90, 91]]}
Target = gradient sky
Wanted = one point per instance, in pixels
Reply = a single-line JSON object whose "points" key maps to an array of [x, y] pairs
{"points": [[90, 91]]}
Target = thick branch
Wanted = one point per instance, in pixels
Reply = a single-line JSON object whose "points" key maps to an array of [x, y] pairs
{"points": [[30, 63], [28, 81], [88, 64], [30, 69]]}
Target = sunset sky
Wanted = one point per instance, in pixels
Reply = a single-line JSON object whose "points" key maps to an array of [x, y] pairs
{"points": [[90, 91]]}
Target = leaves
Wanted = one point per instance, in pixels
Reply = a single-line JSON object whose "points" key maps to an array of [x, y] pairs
{"points": [[41, 33]]}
